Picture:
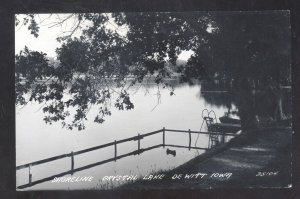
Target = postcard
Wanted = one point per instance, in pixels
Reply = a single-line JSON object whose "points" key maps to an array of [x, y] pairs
{"points": [[153, 100]]}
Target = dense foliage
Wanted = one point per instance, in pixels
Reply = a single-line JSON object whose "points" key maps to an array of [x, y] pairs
{"points": [[99, 66]]}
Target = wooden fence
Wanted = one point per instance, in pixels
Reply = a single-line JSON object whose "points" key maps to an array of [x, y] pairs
{"points": [[116, 157]]}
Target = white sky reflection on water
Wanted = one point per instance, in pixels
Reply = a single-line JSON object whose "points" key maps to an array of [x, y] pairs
{"points": [[36, 140]]}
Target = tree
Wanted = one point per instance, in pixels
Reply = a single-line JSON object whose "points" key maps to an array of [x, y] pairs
{"points": [[254, 58], [101, 56], [236, 48]]}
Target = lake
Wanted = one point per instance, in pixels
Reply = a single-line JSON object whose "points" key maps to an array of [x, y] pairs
{"points": [[36, 140]]}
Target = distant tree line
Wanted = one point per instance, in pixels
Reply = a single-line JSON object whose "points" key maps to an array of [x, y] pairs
{"points": [[249, 52]]}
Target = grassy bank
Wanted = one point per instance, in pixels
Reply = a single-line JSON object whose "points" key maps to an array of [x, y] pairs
{"points": [[257, 159]]}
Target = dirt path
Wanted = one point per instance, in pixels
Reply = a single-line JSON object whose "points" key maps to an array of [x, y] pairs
{"points": [[235, 165]]}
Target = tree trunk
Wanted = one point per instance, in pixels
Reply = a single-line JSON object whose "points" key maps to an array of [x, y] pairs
{"points": [[245, 103]]}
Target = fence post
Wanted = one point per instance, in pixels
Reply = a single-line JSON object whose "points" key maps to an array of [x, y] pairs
{"points": [[72, 162], [30, 174], [222, 137], [139, 143], [190, 139], [164, 137], [115, 150]]}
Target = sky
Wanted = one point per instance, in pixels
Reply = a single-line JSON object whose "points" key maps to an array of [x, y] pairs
{"points": [[46, 41]]}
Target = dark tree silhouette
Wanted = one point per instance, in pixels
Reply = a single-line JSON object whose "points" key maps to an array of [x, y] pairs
{"points": [[243, 50], [251, 55]]}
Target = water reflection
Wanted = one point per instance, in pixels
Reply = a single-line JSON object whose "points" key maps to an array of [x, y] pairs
{"points": [[253, 103], [180, 111]]}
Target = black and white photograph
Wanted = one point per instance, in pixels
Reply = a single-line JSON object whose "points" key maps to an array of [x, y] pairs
{"points": [[153, 100]]}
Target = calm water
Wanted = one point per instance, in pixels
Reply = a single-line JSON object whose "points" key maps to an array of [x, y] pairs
{"points": [[36, 140]]}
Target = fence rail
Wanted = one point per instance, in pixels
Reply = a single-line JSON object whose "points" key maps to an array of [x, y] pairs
{"points": [[87, 150], [116, 157], [87, 167]]}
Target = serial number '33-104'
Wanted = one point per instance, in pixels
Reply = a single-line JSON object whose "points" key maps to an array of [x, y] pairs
{"points": [[267, 173]]}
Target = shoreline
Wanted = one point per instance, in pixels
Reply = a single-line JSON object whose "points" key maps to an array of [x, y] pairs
{"points": [[261, 160]]}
